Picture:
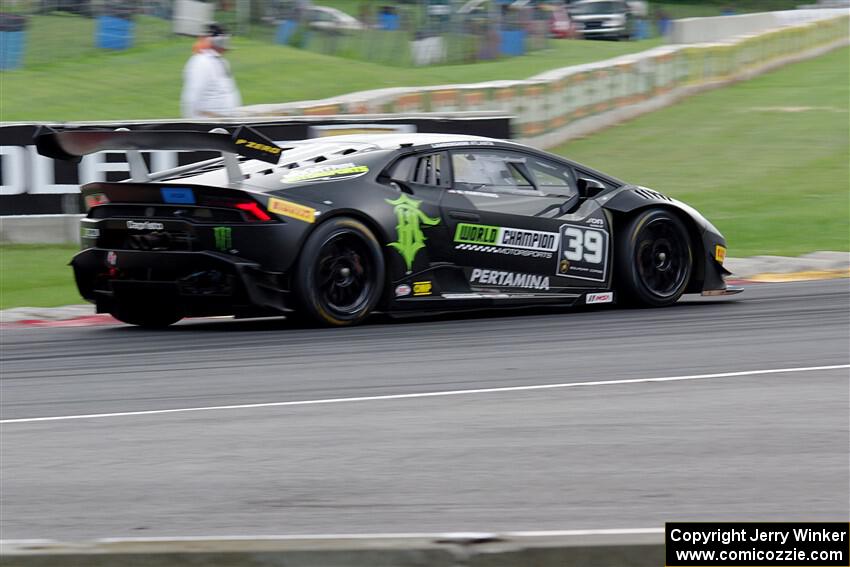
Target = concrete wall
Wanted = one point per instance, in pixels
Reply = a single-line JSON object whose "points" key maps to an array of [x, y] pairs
{"points": [[720, 28], [40, 229], [725, 28]]}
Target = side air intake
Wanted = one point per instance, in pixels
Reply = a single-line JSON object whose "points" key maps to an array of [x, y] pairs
{"points": [[651, 195]]}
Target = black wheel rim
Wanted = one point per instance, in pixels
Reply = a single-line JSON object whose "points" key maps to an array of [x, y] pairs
{"points": [[343, 274], [663, 257]]}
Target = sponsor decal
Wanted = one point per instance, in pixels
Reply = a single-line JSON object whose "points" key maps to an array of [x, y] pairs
{"points": [[112, 258], [402, 290], [720, 253], [494, 239], [145, 225], [89, 232], [595, 221], [583, 252], [258, 146], [177, 195], [223, 238], [409, 233], [292, 210], [509, 279], [325, 173], [606, 297], [505, 251], [422, 288]]}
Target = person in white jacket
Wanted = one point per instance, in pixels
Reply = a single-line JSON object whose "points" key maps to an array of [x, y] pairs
{"points": [[209, 90]]}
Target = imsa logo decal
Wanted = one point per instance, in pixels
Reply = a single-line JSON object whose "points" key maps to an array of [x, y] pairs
{"points": [[592, 298]]}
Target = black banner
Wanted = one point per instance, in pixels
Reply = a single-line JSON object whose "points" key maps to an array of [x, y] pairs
{"points": [[34, 184], [757, 544]]}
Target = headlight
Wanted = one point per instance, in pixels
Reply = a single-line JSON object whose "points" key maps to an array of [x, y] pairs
{"points": [[612, 23]]}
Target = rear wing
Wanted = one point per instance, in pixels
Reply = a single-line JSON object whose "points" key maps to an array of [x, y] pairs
{"points": [[71, 145]]}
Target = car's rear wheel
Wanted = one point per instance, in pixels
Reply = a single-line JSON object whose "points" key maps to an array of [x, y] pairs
{"points": [[147, 315], [654, 259], [340, 274]]}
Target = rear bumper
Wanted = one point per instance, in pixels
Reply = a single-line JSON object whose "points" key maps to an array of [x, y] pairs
{"points": [[195, 283], [602, 32]]}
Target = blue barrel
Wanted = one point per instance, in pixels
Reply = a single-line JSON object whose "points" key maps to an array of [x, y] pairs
{"points": [[512, 42], [12, 41], [389, 21], [114, 33], [12, 47], [285, 29], [641, 29]]}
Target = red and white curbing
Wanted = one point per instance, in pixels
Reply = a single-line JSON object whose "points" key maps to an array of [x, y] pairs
{"points": [[758, 269]]}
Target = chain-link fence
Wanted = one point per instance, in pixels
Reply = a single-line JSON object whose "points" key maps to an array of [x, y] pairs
{"points": [[413, 33], [35, 33]]}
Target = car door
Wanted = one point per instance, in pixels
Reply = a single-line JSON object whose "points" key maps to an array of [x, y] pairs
{"points": [[506, 214], [421, 235]]}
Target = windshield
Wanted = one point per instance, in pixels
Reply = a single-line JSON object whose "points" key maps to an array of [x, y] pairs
{"points": [[599, 8]]}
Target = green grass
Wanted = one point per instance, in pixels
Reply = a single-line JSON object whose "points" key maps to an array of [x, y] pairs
{"points": [[63, 37], [36, 275], [766, 160], [145, 82]]}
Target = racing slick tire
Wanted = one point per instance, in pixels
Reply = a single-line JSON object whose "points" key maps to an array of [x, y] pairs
{"points": [[339, 276], [654, 259], [146, 315]]}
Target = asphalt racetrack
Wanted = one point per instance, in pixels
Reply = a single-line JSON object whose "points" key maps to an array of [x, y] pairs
{"points": [[488, 422]]}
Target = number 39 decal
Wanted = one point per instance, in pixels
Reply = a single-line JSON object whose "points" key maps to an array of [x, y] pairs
{"points": [[583, 252], [582, 245]]}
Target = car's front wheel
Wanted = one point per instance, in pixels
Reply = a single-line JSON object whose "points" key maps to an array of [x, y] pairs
{"points": [[654, 259], [339, 277]]}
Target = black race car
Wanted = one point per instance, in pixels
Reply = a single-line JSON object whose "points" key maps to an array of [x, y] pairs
{"points": [[333, 229]]}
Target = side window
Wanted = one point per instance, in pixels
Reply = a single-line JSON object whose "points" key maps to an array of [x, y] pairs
{"points": [[424, 170], [490, 170], [511, 172], [552, 178]]}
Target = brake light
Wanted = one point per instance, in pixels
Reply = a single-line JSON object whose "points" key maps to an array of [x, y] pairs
{"points": [[96, 199], [254, 209]]}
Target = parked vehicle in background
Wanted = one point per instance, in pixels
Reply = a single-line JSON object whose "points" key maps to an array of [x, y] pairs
{"points": [[330, 19], [612, 19]]}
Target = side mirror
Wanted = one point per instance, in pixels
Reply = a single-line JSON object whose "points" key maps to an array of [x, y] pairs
{"points": [[589, 188]]}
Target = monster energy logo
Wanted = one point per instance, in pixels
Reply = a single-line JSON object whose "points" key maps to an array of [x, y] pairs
{"points": [[223, 239], [408, 230]]}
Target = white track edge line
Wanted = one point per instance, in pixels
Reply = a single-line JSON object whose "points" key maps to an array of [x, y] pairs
{"points": [[429, 394], [290, 537]]}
